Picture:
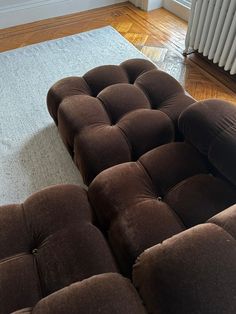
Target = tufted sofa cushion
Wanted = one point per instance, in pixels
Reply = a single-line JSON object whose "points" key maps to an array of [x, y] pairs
{"points": [[47, 243], [104, 294], [114, 114], [169, 189], [192, 272]]}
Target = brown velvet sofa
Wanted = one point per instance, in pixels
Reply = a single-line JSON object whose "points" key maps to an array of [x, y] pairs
{"points": [[67, 251], [54, 260], [114, 114], [172, 187]]}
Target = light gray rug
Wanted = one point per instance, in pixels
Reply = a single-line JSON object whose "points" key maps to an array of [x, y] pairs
{"points": [[31, 151]]}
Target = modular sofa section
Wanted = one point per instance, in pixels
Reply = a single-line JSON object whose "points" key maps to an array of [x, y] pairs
{"points": [[47, 243], [172, 187], [114, 114]]}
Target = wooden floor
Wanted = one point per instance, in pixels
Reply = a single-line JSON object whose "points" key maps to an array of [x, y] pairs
{"points": [[158, 34]]}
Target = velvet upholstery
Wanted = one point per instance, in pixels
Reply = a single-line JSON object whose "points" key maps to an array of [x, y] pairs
{"points": [[114, 114], [172, 187], [216, 140], [47, 243], [105, 294], [192, 272]]}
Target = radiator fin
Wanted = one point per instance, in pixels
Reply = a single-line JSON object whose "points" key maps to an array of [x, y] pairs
{"points": [[212, 31]]}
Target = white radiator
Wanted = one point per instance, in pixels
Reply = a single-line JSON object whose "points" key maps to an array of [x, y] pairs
{"points": [[212, 31]]}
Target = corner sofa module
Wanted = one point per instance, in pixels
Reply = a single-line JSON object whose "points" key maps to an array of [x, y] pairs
{"points": [[47, 243], [172, 187], [114, 114]]}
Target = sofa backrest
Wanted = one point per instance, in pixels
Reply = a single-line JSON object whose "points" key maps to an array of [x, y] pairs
{"points": [[210, 126]]}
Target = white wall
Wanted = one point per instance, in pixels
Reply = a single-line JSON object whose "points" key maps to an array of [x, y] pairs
{"points": [[148, 5], [15, 12], [154, 4], [177, 8]]}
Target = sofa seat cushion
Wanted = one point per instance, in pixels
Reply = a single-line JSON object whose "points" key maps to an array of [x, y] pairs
{"points": [[114, 114], [47, 243], [153, 177]]}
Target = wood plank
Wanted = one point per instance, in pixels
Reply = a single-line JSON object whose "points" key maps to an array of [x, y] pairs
{"points": [[223, 76]]}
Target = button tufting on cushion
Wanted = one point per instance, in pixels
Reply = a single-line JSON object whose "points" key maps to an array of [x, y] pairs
{"points": [[114, 114], [47, 243], [170, 188]]}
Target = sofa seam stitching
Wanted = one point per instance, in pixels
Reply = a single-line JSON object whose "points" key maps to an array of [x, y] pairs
{"points": [[37, 270]]}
